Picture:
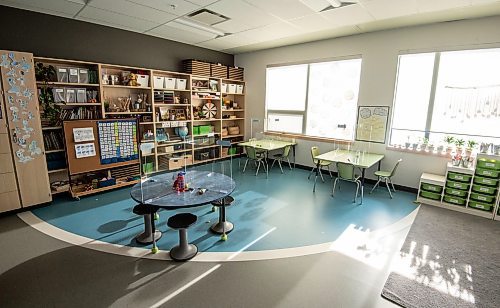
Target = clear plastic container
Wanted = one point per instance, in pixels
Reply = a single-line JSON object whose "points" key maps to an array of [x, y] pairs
{"points": [[70, 96], [59, 95], [73, 75], [83, 75], [62, 74], [81, 95]]}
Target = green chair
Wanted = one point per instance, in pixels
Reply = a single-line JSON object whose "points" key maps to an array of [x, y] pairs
{"points": [[346, 173], [281, 156], [386, 177], [315, 152], [258, 158]]}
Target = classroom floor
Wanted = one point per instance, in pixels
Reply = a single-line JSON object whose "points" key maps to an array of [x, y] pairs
{"points": [[295, 248]]}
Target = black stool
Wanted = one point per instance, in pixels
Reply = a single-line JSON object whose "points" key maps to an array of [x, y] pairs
{"points": [[223, 226], [184, 251], [148, 211]]}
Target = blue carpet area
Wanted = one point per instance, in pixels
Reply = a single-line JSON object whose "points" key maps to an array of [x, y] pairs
{"points": [[283, 201]]}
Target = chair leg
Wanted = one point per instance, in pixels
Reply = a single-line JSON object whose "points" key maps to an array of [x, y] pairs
{"points": [[272, 165], [289, 164], [388, 188], [279, 163], [334, 185], [390, 181], [356, 195], [331, 176], [310, 173], [258, 167], [321, 174], [376, 184]]}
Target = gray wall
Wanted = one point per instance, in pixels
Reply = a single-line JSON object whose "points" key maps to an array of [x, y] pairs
{"points": [[57, 37]]}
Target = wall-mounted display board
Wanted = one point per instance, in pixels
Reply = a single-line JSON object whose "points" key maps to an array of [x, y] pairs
{"points": [[372, 123], [118, 141]]}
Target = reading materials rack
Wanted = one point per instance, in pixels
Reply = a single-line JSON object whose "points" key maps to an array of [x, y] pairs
{"points": [[180, 116]]}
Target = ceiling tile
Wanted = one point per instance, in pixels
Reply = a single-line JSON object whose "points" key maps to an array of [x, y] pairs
{"points": [[232, 26], [243, 12], [95, 15], [202, 2], [382, 9], [433, 5], [270, 32], [229, 41], [316, 5], [348, 15], [133, 10], [53, 7], [285, 9], [174, 31], [181, 7], [313, 22]]}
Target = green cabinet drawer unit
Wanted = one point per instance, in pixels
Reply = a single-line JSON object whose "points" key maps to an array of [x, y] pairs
{"points": [[484, 189], [432, 187], [455, 192], [485, 181], [457, 185], [454, 200], [430, 195], [480, 206], [488, 163], [482, 198], [459, 177], [487, 172]]}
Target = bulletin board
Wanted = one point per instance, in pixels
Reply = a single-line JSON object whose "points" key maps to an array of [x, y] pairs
{"points": [[88, 161], [372, 123]]}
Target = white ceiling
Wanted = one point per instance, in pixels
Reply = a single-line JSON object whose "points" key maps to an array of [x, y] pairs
{"points": [[260, 24]]}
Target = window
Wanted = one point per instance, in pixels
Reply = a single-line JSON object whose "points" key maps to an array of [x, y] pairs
{"points": [[317, 99], [453, 93]]}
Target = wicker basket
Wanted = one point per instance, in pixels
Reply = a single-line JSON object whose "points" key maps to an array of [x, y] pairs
{"points": [[223, 132], [234, 130], [218, 70]]}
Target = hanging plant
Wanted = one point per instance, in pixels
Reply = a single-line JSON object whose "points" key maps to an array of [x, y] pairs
{"points": [[46, 74]]}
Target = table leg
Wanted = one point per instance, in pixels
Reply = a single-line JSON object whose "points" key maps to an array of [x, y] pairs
{"points": [[316, 176], [294, 157], [379, 162], [362, 183]]}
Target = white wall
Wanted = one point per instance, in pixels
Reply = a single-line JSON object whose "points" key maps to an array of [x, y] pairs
{"points": [[379, 51]]}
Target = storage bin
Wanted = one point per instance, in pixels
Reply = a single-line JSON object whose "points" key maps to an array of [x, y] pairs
{"points": [[107, 182], [223, 132], [59, 95], [455, 192], [231, 88], [218, 70], [480, 206], [432, 187], [459, 177], [205, 129], [223, 87], [196, 130], [81, 95], [62, 74], [487, 172], [70, 96], [484, 189], [235, 73], [143, 80], [454, 200], [430, 195], [159, 82], [169, 83], [239, 89], [83, 75], [196, 67], [482, 198], [232, 151], [180, 84], [485, 181], [233, 130], [73, 75], [175, 162], [458, 185], [202, 155], [488, 163]]}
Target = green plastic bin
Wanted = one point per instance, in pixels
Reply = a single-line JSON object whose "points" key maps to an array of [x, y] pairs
{"points": [[483, 189], [205, 129], [459, 177], [432, 187], [454, 200], [148, 168], [488, 163], [482, 198], [457, 185], [487, 172], [430, 195], [485, 181], [480, 206], [456, 192], [196, 130]]}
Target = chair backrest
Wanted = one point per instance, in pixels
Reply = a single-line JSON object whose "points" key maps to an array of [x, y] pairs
{"points": [[252, 139], [286, 151], [251, 153], [396, 167], [314, 153], [346, 171]]}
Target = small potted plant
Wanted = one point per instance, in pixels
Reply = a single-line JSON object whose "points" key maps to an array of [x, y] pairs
{"points": [[407, 143], [430, 147], [456, 159], [440, 148], [424, 144], [466, 161], [459, 143], [449, 140], [471, 144]]}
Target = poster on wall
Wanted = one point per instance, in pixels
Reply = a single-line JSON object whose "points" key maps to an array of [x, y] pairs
{"points": [[372, 123], [85, 150], [83, 134]]}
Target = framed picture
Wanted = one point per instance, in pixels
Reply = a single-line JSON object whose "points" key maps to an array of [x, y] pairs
{"points": [[372, 123]]}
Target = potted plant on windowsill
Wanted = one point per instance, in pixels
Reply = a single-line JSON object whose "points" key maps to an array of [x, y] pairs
{"points": [[471, 144], [459, 143], [407, 143], [440, 148], [449, 140]]}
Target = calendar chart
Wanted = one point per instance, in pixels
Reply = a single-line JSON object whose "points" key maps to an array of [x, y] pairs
{"points": [[117, 141]]}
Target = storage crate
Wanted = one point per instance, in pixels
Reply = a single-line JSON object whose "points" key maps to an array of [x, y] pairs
{"points": [[485, 181], [432, 187], [196, 67], [231, 88], [235, 73], [455, 192], [459, 177], [174, 162], [457, 185], [487, 172], [480, 206], [454, 200], [484, 189], [180, 84], [148, 168], [430, 195], [196, 130], [169, 83], [488, 163], [107, 182], [239, 89], [205, 129], [218, 70], [159, 82], [482, 198], [143, 80], [202, 155]]}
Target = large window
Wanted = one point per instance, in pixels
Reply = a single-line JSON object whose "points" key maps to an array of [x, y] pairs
{"points": [[454, 93], [317, 99]]}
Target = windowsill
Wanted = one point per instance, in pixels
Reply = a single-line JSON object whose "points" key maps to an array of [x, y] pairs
{"points": [[420, 152], [310, 138]]}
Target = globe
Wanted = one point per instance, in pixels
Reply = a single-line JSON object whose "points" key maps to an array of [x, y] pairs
{"points": [[182, 131]]}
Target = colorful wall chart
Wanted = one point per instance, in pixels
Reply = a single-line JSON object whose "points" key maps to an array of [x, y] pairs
{"points": [[117, 141]]}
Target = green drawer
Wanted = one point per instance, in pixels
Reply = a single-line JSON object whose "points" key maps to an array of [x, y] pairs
{"points": [[457, 185], [454, 200], [481, 206], [487, 172], [488, 163], [485, 181], [483, 189], [196, 130], [432, 187], [205, 129], [456, 192], [430, 195], [482, 198], [459, 177]]}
